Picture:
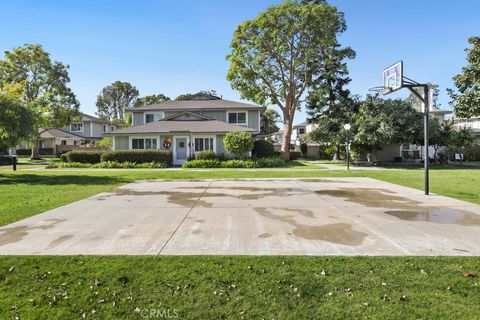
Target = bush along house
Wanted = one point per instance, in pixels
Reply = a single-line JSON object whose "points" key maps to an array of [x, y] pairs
{"points": [[184, 127]]}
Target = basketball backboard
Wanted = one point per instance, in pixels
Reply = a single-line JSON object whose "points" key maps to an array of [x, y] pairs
{"points": [[393, 78]]}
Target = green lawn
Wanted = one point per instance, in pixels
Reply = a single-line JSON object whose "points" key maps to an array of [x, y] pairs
{"points": [[27, 192], [239, 287], [228, 287]]}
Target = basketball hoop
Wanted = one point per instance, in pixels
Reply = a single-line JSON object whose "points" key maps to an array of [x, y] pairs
{"points": [[381, 90]]}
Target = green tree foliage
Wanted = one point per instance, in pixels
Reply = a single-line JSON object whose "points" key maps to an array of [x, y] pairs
{"points": [[42, 87], [439, 135], [466, 97], [115, 99], [417, 104], [460, 139], [384, 121], [280, 55], [268, 121], [16, 121], [152, 99], [238, 143], [186, 96]]}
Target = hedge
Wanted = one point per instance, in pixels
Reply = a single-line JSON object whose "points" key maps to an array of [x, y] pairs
{"points": [[138, 156], [108, 165], [205, 155], [273, 162], [83, 156], [263, 149], [6, 160], [41, 151]]}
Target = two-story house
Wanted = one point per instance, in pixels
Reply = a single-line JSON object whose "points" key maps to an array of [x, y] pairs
{"points": [[86, 130], [187, 126]]}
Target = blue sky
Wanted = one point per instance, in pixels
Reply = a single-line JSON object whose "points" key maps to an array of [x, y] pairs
{"points": [[175, 46]]}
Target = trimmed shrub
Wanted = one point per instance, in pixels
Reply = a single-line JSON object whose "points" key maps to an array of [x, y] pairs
{"points": [[6, 160], [83, 156], [63, 157], [41, 151], [304, 148], [202, 164], [205, 155], [272, 162], [294, 155], [263, 149], [108, 165], [238, 142], [138, 156]]}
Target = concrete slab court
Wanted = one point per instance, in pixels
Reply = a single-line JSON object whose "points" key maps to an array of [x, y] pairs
{"points": [[328, 216]]}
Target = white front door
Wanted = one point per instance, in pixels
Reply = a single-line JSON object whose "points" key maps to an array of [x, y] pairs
{"points": [[180, 150]]}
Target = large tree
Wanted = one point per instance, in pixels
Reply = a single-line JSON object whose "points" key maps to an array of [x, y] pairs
{"points": [[384, 121], [16, 121], [268, 121], [466, 97], [43, 88], [280, 55], [115, 99], [185, 96], [151, 99]]}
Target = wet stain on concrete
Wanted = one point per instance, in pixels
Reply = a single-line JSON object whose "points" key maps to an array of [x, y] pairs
{"points": [[265, 235], [190, 199], [59, 241], [403, 207], [321, 180], [196, 231], [15, 234], [438, 215], [340, 233], [200, 220]]}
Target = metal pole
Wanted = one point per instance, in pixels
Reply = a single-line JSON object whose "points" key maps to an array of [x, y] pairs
{"points": [[14, 163], [348, 150], [425, 127]]}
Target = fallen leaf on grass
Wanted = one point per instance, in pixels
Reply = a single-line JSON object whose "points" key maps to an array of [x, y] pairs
{"points": [[467, 274]]}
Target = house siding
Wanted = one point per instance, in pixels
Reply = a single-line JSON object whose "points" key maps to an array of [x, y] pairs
{"points": [[137, 118], [121, 143], [253, 119], [86, 129], [97, 129], [217, 115]]}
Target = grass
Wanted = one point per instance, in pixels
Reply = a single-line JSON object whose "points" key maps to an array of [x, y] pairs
{"points": [[25, 193], [279, 287]]}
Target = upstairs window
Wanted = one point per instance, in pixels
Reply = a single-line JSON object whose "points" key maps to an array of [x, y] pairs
{"points": [[239, 118], [150, 117], [301, 130], [76, 127], [104, 128]]}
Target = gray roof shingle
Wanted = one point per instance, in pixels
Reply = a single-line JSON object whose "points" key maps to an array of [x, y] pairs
{"points": [[172, 126], [197, 104]]}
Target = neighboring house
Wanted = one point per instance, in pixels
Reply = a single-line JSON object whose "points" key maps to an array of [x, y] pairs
{"points": [[313, 149], [87, 130], [473, 124], [187, 126]]}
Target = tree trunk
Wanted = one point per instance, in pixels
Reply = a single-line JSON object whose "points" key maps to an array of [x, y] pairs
{"points": [[35, 152], [336, 154], [287, 136]]}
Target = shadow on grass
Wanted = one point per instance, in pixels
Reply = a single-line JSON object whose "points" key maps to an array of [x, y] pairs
{"points": [[33, 179]]}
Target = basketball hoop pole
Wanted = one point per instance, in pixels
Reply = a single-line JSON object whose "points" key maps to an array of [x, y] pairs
{"points": [[424, 99]]}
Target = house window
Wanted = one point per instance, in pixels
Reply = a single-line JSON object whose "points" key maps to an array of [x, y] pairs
{"points": [[150, 117], [112, 128], [202, 144], [63, 142], [301, 130], [104, 128], [76, 127], [144, 143], [239, 118]]}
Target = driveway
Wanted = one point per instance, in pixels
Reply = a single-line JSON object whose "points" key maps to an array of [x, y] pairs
{"points": [[328, 216]]}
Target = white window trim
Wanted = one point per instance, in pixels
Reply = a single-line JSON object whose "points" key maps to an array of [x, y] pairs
{"points": [[162, 113], [206, 136], [77, 123], [238, 111], [130, 138]]}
